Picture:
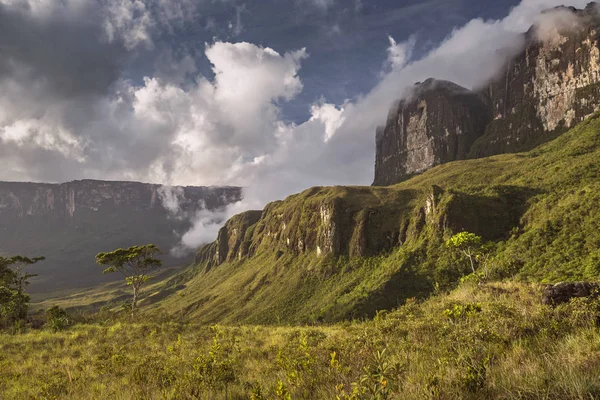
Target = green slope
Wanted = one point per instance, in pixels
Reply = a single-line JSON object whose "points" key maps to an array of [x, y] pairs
{"points": [[492, 341], [540, 208]]}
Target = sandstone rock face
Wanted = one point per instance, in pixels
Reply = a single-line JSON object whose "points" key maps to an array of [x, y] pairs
{"points": [[563, 292], [438, 123], [69, 223], [233, 242], [551, 86], [359, 222]]}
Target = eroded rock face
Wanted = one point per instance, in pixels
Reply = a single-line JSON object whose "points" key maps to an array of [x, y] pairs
{"points": [[233, 242], [438, 123], [70, 223], [359, 222], [565, 291], [551, 86]]}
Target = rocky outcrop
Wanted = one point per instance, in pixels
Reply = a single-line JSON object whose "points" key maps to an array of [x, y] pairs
{"points": [[551, 86], [69, 223], [438, 123], [233, 242], [548, 88], [359, 222], [565, 291]]}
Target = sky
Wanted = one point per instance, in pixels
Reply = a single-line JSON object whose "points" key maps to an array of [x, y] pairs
{"points": [[272, 95]]}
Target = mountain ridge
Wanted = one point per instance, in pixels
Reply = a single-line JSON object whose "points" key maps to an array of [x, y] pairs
{"points": [[70, 222], [550, 86]]}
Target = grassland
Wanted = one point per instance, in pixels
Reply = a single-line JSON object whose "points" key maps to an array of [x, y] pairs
{"points": [[392, 325], [478, 341]]}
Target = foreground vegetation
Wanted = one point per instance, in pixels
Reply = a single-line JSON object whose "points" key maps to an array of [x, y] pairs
{"points": [[293, 325], [495, 340], [540, 210]]}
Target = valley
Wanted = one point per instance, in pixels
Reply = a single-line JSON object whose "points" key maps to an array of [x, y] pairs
{"points": [[468, 270]]}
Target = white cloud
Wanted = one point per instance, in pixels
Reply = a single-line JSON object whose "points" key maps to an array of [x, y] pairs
{"points": [[130, 21], [329, 115], [226, 130], [206, 227], [399, 53]]}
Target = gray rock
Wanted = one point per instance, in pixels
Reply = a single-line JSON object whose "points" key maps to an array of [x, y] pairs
{"points": [[437, 123], [564, 291]]}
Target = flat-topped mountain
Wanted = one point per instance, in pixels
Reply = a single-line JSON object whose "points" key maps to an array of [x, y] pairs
{"points": [[549, 87], [437, 123], [69, 223]]}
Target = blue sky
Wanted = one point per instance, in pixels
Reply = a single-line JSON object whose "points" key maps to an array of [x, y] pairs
{"points": [[272, 95], [346, 40]]}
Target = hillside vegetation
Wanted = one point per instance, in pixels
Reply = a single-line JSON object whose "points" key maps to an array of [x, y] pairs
{"points": [[373, 306], [538, 208], [478, 341]]}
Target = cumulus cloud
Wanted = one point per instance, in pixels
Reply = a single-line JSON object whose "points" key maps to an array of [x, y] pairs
{"points": [[64, 119]]}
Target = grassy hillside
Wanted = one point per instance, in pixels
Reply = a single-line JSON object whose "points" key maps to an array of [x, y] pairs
{"points": [[476, 342], [539, 208], [289, 288]]}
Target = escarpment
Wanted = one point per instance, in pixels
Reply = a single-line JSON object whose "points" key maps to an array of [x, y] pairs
{"points": [[438, 123], [549, 87], [355, 222], [69, 223]]}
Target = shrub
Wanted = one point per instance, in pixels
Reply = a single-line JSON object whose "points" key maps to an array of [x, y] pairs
{"points": [[57, 319]]}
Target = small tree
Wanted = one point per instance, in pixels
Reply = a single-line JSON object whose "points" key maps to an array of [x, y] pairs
{"points": [[14, 302], [467, 244], [135, 263]]}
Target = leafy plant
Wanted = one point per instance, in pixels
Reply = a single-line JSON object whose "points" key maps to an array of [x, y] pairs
{"points": [[14, 302], [57, 319]]}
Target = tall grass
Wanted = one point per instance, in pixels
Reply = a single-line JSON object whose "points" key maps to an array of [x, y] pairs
{"points": [[483, 341]]}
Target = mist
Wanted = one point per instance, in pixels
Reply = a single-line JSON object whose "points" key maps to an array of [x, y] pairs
{"points": [[179, 125], [337, 145]]}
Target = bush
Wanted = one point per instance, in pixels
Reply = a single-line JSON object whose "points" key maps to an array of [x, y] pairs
{"points": [[57, 319]]}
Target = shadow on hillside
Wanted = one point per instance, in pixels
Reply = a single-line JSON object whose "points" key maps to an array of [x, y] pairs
{"points": [[399, 288]]}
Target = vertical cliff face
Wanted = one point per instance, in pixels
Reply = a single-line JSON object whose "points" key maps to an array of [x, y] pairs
{"points": [[359, 222], [551, 86], [438, 123], [69, 223]]}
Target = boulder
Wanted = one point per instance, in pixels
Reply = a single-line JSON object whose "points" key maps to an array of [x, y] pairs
{"points": [[565, 291]]}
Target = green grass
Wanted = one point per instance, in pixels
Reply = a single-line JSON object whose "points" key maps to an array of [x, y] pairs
{"points": [[377, 320], [539, 207], [485, 341]]}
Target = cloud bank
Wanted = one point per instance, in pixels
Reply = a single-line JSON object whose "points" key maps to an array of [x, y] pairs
{"points": [[64, 117]]}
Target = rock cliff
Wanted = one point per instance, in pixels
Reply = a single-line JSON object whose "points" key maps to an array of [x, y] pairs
{"points": [[69, 223], [359, 222], [551, 86], [437, 123]]}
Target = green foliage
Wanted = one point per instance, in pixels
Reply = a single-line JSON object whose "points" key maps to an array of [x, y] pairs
{"points": [[468, 244], [464, 241], [462, 311], [14, 302], [57, 319], [217, 369], [493, 340], [135, 263]]}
